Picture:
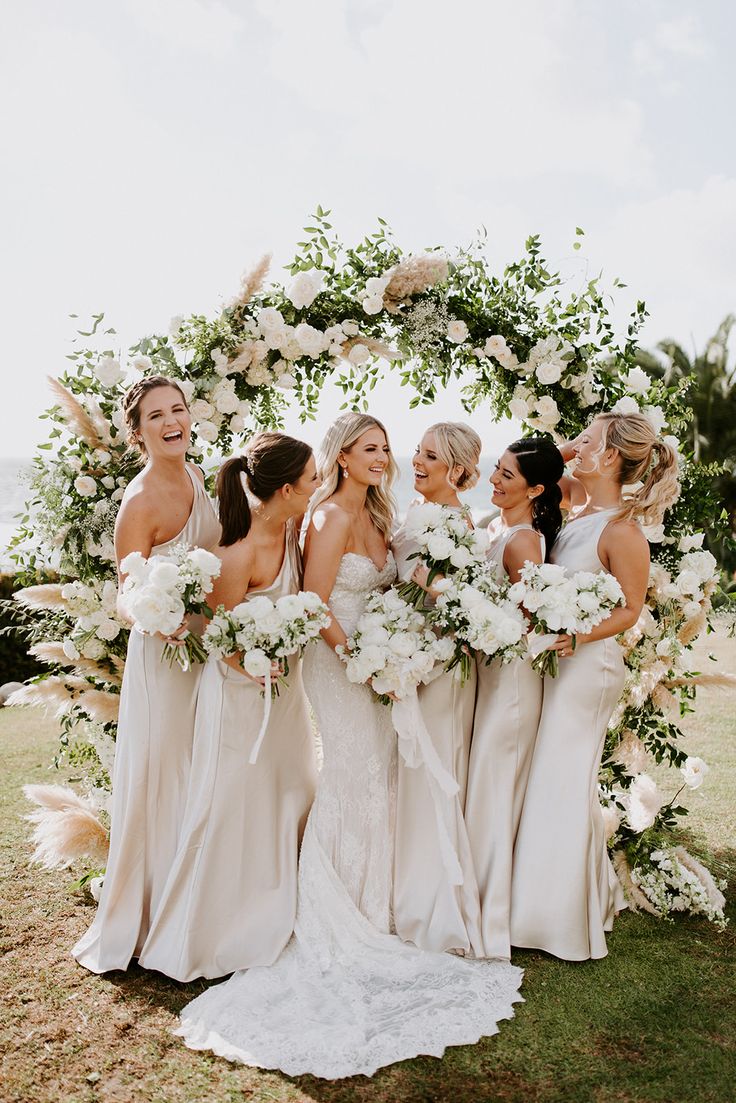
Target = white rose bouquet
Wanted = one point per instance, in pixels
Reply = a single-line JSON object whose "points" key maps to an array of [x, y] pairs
{"points": [[392, 647], [446, 544], [263, 632], [478, 615], [557, 602], [161, 591]]}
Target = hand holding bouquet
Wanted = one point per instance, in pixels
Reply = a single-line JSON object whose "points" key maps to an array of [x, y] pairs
{"points": [[560, 603], [446, 544], [263, 633], [479, 616], [162, 591]]}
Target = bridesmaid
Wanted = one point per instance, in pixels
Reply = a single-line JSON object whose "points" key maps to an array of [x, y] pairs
{"points": [[509, 699], [163, 505], [230, 899], [564, 892], [429, 909]]}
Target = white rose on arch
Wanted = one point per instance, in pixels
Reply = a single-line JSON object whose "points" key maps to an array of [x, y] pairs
{"points": [[359, 354], [626, 405], [85, 486], [637, 381], [305, 287], [108, 371], [457, 331], [549, 371], [657, 416], [693, 772], [311, 341]]}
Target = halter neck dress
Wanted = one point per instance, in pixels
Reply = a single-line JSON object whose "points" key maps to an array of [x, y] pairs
{"points": [[150, 776], [230, 899], [507, 710], [564, 892]]}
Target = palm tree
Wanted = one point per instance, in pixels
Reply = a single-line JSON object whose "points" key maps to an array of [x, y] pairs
{"points": [[711, 434]]}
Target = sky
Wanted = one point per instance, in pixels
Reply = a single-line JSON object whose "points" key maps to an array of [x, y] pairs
{"points": [[155, 149]]}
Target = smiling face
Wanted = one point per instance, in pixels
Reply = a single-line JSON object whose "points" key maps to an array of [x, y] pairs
{"points": [[430, 473], [367, 458], [510, 488], [165, 425]]}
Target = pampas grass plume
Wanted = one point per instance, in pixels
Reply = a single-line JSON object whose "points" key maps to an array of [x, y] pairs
{"points": [[66, 827], [75, 415]]}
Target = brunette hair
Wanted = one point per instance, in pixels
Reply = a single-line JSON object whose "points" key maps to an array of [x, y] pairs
{"points": [[132, 407], [645, 458], [540, 462], [270, 461], [340, 437], [458, 446]]}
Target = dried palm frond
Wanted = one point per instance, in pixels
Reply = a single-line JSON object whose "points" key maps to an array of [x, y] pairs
{"points": [[66, 827], [75, 415], [50, 653], [377, 348], [251, 282], [47, 596], [666, 701], [722, 681], [636, 899], [715, 895], [101, 706], [691, 629]]}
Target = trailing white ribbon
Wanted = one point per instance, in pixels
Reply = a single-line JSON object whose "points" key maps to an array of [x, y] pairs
{"points": [[417, 749], [264, 722], [537, 642]]}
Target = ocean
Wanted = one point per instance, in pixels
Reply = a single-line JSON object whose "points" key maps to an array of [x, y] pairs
{"points": [[14, 474]]}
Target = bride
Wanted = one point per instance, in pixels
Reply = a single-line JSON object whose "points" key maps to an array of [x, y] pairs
{"points": [[346, 996]]}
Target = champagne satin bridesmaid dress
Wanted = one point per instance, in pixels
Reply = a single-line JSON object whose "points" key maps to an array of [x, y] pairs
{"points": [[564, 891]]}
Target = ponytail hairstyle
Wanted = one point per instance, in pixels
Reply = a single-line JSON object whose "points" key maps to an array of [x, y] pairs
{"points": [[132, 407], [540, 462], [645, 458], [340, 437], [270, 461], [457, 445]]}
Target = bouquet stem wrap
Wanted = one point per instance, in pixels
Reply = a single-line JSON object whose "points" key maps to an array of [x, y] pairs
{"points": [[417, 749]]}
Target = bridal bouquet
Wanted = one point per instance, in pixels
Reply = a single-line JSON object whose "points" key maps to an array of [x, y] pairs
{"points": [[392, 647], [265, 632], [480, 617], [558, 602], [161, 591], [446, 544]]}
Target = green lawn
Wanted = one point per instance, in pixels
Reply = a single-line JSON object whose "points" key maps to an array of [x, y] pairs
{"points": [[653, 1021]]}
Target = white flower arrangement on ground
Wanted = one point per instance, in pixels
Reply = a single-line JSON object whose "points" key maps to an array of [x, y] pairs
{"points": [[673, 881], [479, 617], [561, 603], [446, 544], [161, 591], [264, 633], [392, 648]]}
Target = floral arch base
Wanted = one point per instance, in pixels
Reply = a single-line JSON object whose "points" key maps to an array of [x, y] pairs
{"points": [[517, 342]]}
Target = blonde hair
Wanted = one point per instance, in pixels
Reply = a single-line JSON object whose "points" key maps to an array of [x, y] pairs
{"points": [[457, 445], [644, 459], [340, 437]]}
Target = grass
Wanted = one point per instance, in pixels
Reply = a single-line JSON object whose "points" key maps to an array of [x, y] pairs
{"points": [[652, 1022]]}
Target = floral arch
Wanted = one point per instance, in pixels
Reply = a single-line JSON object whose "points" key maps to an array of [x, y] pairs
{"points": [[517, 343]]}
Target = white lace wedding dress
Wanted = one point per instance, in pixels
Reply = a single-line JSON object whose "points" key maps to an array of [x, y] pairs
{"points": [[345, 996]]}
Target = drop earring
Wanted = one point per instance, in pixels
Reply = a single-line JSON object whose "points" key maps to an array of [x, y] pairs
{"points": [[344, 472]]}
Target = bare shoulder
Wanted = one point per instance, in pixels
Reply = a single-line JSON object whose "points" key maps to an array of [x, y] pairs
{"points": [[196, 472], [329, 518], [238, 556], [525, 540], [139, 499], [626, 532]]}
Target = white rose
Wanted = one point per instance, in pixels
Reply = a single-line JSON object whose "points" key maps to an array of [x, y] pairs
{"points": [[256, 607], [548, 412], [305, 287], [108, 629], [134, 565], [208, 431], [94, 649], [350, 328], [175, 325], [637, 381], [375, 635], [163, 575], [186, 386], [205, 562], [70, 650], [376, 285], [108, 482], [457, 331], [655, 534], [221, 362], [237, 424], [359, 354], [460, 557], [256, 663], [690, 543], [311, 341], [496, 346], [108, 371], [373, 304], [549, 372], [694, 771], [225, 398], [85, 486], [286, 381], [687, 583], [626, 405], [439, 546], [657, 417], [201, 410], [403, 644], [518, 408], [143, 364], [290, 606], [269, 318]]}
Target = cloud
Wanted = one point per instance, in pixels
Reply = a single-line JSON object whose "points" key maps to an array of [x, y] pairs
{"points": [[196, 26], [682, 36]]}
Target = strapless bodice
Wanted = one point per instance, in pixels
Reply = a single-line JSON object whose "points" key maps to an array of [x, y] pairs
{"points": [[357, 578]]}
